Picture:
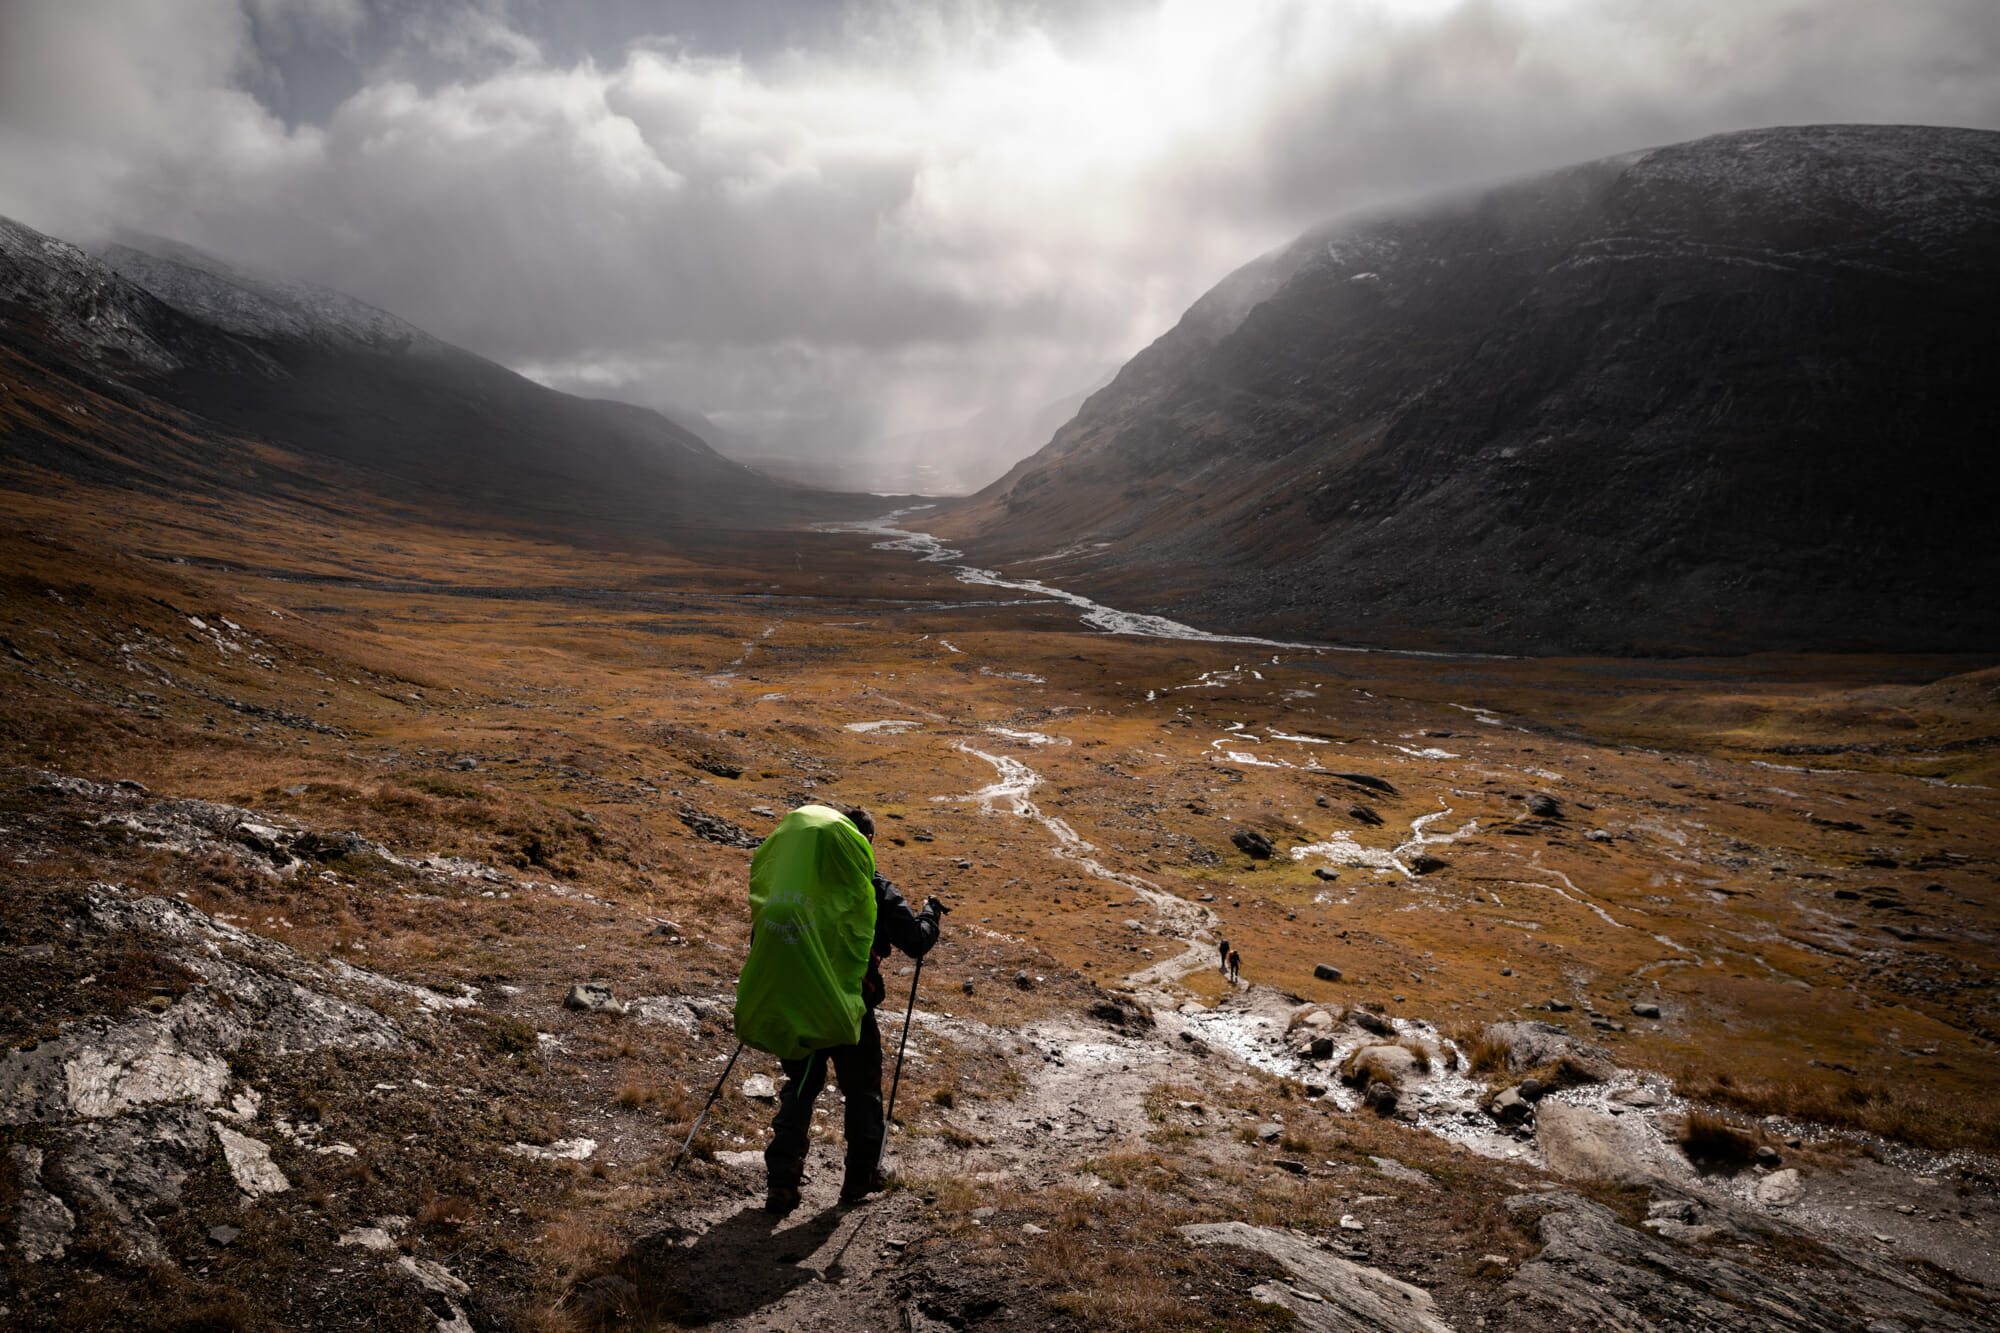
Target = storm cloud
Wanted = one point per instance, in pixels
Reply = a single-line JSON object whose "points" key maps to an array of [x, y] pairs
{"points": [[833, 228]]}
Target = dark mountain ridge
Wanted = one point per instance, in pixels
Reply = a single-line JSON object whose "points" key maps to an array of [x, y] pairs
{"points": [[333, 380], [1725, 396]]}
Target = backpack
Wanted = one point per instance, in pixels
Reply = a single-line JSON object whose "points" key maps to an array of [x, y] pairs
{"points": [[812, 917]]}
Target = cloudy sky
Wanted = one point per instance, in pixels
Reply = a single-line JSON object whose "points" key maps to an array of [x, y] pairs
{"points": [[830, 224]]}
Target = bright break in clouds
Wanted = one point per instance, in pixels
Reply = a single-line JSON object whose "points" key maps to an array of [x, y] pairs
{"points": [[873, 232]]}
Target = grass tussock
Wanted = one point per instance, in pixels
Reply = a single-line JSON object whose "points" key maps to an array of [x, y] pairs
{"points": [[1908, 1113], [576, 1242], [1711, 1141], [446, 1211], [1484, 1055]]}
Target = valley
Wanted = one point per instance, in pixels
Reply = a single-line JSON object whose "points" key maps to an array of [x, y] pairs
{"points": [[471, 766], [1480, 912]]}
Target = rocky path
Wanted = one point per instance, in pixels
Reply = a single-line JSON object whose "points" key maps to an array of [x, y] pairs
{"points": [[1083, 1097], [828, 1267]]}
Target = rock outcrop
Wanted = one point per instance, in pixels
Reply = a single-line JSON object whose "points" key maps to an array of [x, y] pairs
{"points": [[1595, 1272], [1327, 1294], [128, 1106]]}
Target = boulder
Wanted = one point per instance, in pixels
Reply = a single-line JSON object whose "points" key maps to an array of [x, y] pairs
{"points": [[1369, 1021], [1780, 1189], [1320, 1048], [1380, 1098], [759, 1087], [1364, 815], [1326, 972], [1253, 844], [1544, 806], [1312, 1017], [592, 997], [1326, 873], [1509, 1107], [1530, 1045], [1646, 1011], [1424, 863]]}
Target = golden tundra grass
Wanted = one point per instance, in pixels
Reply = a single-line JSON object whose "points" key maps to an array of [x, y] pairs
{"points": [[583, 720]]}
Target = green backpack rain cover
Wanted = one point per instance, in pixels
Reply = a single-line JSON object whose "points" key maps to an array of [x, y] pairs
{"points": [[812, 911]]}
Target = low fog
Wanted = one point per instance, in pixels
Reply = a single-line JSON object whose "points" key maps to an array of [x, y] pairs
{"points": [[879, 235]]}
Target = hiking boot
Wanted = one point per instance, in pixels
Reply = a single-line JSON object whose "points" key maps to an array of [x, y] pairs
{"points": [[781, 1199], [857, 1188]]}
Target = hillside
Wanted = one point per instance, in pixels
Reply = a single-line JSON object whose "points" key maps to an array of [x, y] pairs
{"points": [[338, 395], [1724, 396]]}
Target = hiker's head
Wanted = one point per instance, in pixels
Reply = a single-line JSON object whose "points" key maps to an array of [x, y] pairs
{"points": [[861, 819]]}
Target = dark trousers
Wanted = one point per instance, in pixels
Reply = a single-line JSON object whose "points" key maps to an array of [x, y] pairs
{"points": [[858, 1071]]}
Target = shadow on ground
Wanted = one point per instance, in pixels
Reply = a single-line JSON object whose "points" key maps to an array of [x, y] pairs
{"points": [[740, 1265]]}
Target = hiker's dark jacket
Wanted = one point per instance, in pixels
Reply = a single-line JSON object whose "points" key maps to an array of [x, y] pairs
{"points": [[897, 927]]}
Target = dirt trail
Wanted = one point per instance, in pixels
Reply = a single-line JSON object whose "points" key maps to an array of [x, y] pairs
{"points": [[834, 1268], [1190, 921], [826, 1267]]}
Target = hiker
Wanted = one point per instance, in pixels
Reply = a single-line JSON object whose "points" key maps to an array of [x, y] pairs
{"points": [[1223, 962], [1235, 965], [822, 921]]}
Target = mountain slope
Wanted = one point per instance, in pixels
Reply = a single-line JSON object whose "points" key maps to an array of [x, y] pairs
{"points": [[336, 382], [1722, 396]]}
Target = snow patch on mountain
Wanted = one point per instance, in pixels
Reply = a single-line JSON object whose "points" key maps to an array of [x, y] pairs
{"points": [[105, 316], [277, 310]]}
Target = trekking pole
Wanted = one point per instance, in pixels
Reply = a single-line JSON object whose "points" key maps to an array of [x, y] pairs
{"points": [[897, 1080], [711, 1101], [909, 1013]]}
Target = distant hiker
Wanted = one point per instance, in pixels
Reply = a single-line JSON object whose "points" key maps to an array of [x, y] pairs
{"points": [[1223, 963], [1235, 964], [821, 922]]}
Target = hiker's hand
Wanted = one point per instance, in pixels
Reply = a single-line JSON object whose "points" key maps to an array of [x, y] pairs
{"points": [[935, 906]]}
